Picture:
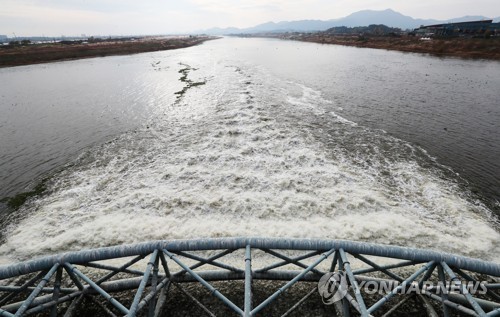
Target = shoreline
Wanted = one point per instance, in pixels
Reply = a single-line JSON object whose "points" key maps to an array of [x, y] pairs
{"points": [[55, 52], [469, 48]]}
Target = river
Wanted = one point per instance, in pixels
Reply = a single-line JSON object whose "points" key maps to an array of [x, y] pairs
{"points": [[252, 137]]}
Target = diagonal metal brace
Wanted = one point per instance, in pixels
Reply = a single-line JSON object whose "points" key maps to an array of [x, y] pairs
{"points": [[213, 290]]}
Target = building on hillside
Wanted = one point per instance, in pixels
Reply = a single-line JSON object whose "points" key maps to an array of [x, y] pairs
{"points": [[469, 28], [495, 28]]}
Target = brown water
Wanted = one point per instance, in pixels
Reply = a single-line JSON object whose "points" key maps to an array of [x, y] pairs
{"points": [[252, 137]]}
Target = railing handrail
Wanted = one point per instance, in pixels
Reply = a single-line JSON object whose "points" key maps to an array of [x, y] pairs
{"points": [[112, 252]]}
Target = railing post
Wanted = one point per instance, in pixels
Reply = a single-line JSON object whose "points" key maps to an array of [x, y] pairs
{"points": [[248, 282]]}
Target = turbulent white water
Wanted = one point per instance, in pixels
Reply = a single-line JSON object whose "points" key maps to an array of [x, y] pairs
{"points": [[249, 154]]}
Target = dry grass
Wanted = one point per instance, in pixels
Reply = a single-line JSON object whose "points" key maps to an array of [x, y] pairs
{"points": [[42, 53], [458, 47]]}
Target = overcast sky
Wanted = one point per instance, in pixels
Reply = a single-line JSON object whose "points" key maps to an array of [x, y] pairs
{"points": [[117, 17]]}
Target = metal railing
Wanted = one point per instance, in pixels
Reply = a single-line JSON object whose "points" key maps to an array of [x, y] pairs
{"points": [[59, 283]]}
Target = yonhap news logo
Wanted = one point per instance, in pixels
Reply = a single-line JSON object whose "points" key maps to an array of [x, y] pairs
{"points": [[333, 287]]}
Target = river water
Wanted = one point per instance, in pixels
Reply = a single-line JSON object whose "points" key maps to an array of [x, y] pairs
{"points": [[252, 137]]}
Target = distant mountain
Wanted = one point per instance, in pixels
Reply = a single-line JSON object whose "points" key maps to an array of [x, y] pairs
{"points": [[302, 25], [388, 17], [284, 26], [469, 18]]}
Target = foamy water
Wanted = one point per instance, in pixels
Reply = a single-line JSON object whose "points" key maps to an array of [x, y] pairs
{"points": [[250, 154]]}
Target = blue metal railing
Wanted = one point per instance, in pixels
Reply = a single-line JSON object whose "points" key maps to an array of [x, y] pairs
{"points": [[152, 285]]}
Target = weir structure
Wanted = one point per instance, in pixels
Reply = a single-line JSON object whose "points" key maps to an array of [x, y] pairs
{"points": [[149, 273]]}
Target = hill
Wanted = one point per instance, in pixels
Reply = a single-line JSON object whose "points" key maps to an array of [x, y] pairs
{"points": [[387, 17]]}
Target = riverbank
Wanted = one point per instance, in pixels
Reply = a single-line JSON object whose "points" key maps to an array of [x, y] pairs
{"points": [[51, 52], [479, 48]]}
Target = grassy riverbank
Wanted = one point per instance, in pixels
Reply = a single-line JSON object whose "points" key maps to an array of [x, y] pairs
{"points": [[482, 48], [14, 55]]}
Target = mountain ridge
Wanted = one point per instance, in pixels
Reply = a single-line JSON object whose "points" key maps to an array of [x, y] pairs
{"points": [[387, 17]]}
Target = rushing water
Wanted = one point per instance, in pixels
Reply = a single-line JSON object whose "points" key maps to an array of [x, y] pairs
{"points": [[252, 137]]}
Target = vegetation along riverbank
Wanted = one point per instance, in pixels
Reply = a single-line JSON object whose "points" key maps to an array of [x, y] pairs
{"points": [[25, 53], [481, 46], [456, 47]]}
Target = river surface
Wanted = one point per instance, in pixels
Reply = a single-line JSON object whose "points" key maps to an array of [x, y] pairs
{"points": [[252, 137]]}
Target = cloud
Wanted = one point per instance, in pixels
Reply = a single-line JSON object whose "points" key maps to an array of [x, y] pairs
{"points": [[245, 13], [25, 15], [73, 17], [31, 18]]}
